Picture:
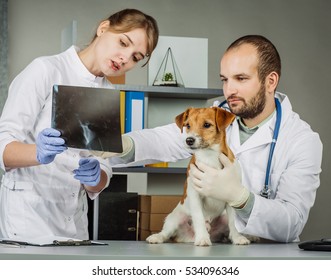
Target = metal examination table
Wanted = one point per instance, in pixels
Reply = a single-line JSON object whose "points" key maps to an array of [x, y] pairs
{"points": [[140, 250]]}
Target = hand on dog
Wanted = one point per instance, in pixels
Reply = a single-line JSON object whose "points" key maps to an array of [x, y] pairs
{"points": [[224, 184]]}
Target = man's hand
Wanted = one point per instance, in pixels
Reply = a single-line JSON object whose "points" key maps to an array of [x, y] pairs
{"points": [[224, 184], [89, 172], [49, 144], [127, 144]]}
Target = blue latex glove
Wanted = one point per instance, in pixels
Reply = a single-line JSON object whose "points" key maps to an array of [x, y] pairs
{"points": [[49, 144], [89, 172]]}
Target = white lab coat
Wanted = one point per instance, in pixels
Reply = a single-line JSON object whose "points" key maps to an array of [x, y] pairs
{"points": [[295, 171], [43, 200]]}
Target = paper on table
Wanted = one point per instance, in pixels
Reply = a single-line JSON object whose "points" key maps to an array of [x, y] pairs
{"points": [[50, 241]]}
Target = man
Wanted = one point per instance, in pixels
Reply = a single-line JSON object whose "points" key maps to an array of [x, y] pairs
{"points": [[250, 72]]}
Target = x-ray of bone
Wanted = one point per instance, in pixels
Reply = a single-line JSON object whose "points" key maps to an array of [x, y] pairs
{"points": [[88, 118]]}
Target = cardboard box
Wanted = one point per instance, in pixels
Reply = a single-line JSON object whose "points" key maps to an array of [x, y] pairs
{"points": [[144, 233], [158, 203], [152, 221], [153, 209]]}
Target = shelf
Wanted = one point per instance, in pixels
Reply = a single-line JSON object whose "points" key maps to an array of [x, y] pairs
{"points": [[173, 92], [154, 170]]}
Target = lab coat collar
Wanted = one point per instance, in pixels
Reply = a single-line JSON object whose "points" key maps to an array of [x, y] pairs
{"points": [[79, 67], [264, 134]]}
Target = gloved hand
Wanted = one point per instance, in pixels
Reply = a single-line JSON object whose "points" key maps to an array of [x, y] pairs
{"points": [[89, 172], [224, 184], [127, 144], [49, 144]]}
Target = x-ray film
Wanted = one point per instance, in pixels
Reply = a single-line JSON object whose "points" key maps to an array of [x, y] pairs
{"points": [[88, 118]]}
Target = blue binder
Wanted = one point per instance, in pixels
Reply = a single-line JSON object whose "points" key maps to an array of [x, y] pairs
{"points": [[134, 110]]}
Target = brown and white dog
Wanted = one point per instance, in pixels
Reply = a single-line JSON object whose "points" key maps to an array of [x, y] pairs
{"points": [[197, 218]]}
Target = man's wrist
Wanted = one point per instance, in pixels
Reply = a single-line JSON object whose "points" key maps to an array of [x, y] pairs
{"points": [[242, 199], [245, 212], [128, 150], [128, 147]]}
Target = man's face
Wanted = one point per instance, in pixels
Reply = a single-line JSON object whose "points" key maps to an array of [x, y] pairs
{"points": [[245, 94]]}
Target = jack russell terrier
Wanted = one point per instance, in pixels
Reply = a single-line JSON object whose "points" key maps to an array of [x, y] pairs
{"points": [[197, 218]]}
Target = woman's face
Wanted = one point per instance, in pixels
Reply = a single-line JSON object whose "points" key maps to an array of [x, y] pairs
{"points": [[116, 53]]}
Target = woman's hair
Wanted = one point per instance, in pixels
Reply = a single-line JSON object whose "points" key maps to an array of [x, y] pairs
{"points": [[269, 59], [130, 19]]}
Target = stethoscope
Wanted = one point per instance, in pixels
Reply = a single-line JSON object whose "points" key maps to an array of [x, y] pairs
{"points": [[265, 192]]}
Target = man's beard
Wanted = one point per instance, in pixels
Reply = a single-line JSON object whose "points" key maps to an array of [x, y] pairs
{"points": [[253, 108]]}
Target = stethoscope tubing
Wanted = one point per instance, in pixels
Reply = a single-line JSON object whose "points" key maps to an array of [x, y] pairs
{"points": [[265, 192]]}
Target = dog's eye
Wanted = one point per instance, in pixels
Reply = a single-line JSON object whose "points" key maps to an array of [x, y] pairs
{"points": [[188, 126], [206, 125]]}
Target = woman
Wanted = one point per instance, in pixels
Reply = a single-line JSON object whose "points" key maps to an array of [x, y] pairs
{"points": [[38, 196]]}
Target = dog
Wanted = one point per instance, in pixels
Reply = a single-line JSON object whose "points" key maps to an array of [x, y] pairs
{"points": [[197, 218]]}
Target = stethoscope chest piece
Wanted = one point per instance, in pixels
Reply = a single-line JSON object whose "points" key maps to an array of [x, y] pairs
{"points": [[265, 192]]}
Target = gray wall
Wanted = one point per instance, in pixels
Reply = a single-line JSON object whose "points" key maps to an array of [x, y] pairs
{"points": [[299, 28]]}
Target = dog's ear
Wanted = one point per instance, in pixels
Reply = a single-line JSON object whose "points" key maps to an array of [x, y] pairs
{"points": [[181, 118], [223, 118]]}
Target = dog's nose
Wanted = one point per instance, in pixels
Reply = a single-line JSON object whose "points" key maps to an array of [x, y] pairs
{"points": [[190, 141]]}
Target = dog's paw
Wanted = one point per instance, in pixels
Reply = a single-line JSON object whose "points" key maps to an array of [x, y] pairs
{"points": [[208, 226], [240, 240], [155, 238], [252, 238], [203, 241]]}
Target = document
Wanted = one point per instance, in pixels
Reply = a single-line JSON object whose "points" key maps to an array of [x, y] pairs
{"points": [[134, 110], [49, 241]]}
